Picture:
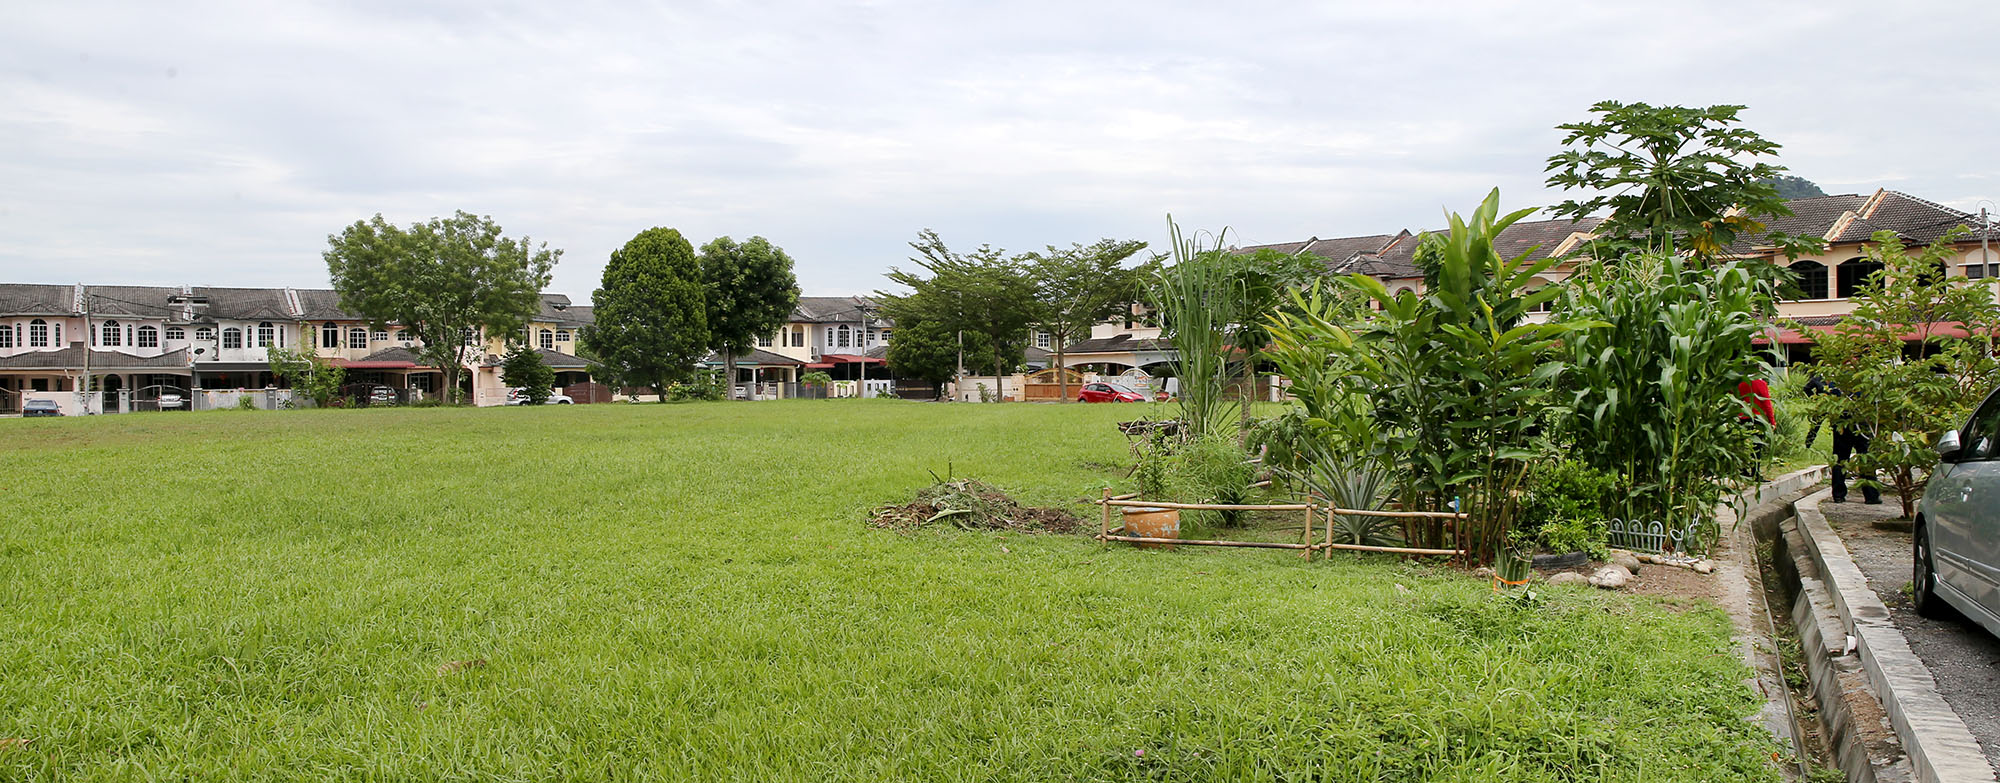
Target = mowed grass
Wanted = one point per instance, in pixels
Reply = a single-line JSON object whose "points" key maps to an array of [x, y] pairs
{"points": [[617, 592]]}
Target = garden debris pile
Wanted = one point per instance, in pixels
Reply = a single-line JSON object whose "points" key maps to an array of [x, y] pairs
{"points": [[972, 505]]}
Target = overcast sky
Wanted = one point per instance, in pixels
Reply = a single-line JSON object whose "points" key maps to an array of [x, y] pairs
{"points": [[219, 143]]}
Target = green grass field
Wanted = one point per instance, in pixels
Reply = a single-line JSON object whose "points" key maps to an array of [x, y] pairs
{"points": [[616, 592]]}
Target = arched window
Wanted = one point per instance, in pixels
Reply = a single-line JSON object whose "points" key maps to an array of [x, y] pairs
{"points": [[267, 335], [357, 338], [149, 337], [547, 339], [562, 335], [329, 335], [204, 333], [1812, 279], [232, 337], [1854, 276], [402, 336], [110, 334], [38, 333], [6, 335], [379, 335], [843, 337], [176, 333]]}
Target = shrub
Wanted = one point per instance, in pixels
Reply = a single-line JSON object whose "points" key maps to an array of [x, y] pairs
{"points": [[1210, 469], [706, 386], [1566, 505]]}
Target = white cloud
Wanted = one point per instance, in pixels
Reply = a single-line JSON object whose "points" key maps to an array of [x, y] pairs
{"points": [[220, 143]]}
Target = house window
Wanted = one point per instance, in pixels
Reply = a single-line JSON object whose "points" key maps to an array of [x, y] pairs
{"points": [[1042, 339], [764, 341], [1981, 271], [885, 335], [267, 335], [232, 337], [547, 339], [871, 337], [562, 335], [6, 336], [357, 338], [470, 336], [58, 328], [798, 337], [1812, 279], [1855, 274], [176, 333], [380, 335], [402, 336], [148, 337], [844, 336], [38, 333], [204, 333], [110, 334], [329, 335]]}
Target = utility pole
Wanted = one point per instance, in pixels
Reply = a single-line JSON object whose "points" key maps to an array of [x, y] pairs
{"points": [[89, 336]]}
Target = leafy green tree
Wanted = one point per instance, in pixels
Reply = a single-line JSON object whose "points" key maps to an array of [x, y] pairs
{"points": [[1077, 287], [750, 292], [1674, 178], [524, 369], [445, 280], [1903, 402], [307, 373], [983, 293], [1791, 187], [929, 350], [651, 322]]}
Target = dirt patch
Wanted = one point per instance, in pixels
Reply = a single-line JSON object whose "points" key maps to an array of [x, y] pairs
{"points": [[972, 505]]}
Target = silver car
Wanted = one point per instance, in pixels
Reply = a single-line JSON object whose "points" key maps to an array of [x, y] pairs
{"points": [[1957, 539]]}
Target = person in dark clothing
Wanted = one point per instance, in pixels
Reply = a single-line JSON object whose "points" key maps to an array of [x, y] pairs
{"points": [[1848, 441]]}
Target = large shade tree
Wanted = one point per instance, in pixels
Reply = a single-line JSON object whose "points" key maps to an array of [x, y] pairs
{"points": [[1672, 178], [651, 323], [1077, 287], [750, 291], [984, 292], [446, 280]]}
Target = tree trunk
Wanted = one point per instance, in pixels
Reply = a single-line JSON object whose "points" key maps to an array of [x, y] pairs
{"points": [[1062, 372], [729, 372]]}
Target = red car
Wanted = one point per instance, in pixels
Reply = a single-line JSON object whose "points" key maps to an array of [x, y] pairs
{"points": [[1108, 392]]}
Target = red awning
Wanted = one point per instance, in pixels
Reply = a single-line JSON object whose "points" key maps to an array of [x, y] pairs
{"points": [[847, 358], [819, 365], [1951, 329]]}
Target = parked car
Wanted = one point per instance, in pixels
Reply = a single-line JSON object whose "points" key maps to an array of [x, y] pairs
{"points": [[171, 402], [41, 408], [1956, 542], [519, 396], [1109, 392]]}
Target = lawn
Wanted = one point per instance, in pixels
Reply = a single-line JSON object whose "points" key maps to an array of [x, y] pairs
{"points": [[615, 592]]}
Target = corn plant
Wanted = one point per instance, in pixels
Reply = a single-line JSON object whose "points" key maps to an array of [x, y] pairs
{"points": [[1654, 391]]}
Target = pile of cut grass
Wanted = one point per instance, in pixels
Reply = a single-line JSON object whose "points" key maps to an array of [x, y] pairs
{"points": [[616, 592]]}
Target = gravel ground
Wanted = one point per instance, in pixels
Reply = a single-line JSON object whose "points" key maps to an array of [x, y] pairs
{"points": [[1961, 655]]}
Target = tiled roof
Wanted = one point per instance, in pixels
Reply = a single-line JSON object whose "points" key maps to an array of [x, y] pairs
{"points": [[1287, 248], [247, 304], [557, 309], [1916, 220], [756, 357], [324, 304], [1118, 343], [1340, 250], [32, 299], [110, 301], [836, 310], [71, 358]]}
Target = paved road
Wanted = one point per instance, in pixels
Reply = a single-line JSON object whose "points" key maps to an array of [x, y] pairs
{"points": [[1961, 655]]}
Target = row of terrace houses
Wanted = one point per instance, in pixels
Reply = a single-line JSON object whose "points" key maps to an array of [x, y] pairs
{"points": [[1827, 280], [139, 343], [144, 342]]}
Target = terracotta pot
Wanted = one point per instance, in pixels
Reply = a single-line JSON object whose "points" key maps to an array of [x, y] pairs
{"points": [[1146, 522]]}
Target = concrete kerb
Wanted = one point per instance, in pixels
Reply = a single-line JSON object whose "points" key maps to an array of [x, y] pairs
{"points": [[1940, 748]]}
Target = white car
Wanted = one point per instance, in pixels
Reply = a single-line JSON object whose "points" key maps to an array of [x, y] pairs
{"points": [[519, 396]]}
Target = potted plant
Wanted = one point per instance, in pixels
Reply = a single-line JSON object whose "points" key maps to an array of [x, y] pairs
{"points": [[1210, 469]]}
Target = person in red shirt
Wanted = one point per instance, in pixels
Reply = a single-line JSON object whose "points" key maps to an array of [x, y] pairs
{"points": [[1756, 394]]}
